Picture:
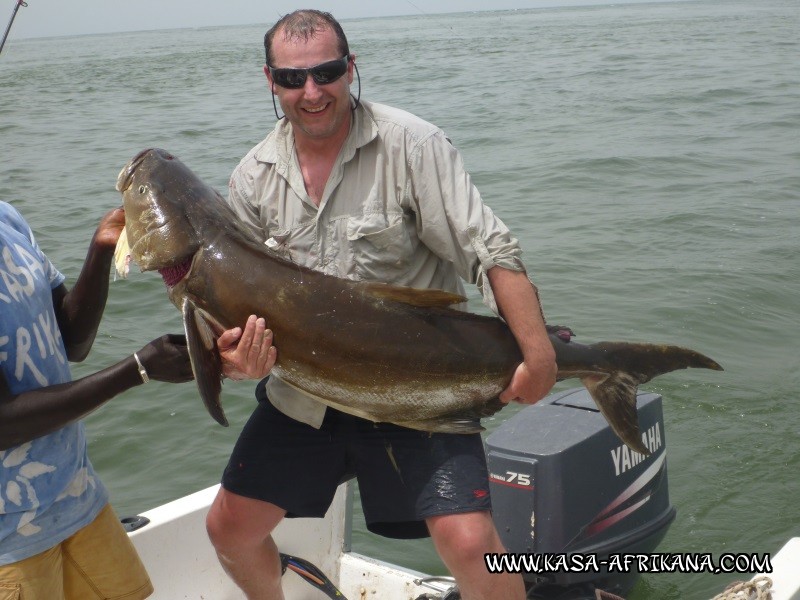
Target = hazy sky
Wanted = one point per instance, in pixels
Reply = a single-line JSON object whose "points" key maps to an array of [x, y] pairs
{"points": [[42, 18]]}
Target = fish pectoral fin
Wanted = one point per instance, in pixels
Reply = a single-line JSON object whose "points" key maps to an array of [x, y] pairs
{"points": [[412, 296], [206, 362], [615, 396]]}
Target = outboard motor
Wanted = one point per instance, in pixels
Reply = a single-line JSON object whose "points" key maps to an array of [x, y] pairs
{"points": [[566, 492]]}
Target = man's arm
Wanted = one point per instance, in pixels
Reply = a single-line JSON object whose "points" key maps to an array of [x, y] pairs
{"points": [[518, 304]]}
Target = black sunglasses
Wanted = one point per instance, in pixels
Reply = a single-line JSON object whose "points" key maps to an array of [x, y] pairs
{"points": [[323, 73]]}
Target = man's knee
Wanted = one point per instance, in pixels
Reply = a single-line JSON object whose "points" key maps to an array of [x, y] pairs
{"points": [[237, 521], [218, 526], [465, 537]]}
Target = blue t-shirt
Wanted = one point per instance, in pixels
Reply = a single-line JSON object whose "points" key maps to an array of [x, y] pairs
{"points": [[48, 488]]}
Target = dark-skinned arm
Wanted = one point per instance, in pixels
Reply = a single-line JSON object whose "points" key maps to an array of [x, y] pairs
{"points": [[79, 310], [35, 413]]}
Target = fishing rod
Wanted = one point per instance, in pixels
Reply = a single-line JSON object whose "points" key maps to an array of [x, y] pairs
{"points": [[13, 16]]}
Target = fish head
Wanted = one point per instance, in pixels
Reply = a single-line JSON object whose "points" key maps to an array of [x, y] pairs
{"points": [[159, 195]]}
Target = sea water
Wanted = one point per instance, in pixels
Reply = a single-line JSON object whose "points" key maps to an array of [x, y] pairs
{"points": [[647, 156]]}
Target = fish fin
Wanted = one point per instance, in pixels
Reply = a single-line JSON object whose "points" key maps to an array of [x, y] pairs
{"points": [[614, 391], [413, 296], [206, 362], [462, 421], [615, 396], [442, 425], [646, 361]]}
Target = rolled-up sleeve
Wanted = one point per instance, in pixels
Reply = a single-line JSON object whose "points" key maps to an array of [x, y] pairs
{"points": [[452, 219]]}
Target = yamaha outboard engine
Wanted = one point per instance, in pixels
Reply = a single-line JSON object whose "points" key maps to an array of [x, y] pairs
{"points": [[570, 500]]}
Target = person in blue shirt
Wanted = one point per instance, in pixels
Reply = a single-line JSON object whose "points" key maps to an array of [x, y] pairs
{"points": [[59, 537]]}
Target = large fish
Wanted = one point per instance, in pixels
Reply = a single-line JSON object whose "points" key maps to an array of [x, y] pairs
{"points": [[378, 351]]}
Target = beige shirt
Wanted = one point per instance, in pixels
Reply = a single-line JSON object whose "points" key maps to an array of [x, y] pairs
{"points": [[398, 207]]}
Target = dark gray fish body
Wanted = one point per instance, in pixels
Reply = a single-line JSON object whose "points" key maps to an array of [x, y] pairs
{"points": [[378, 351]]}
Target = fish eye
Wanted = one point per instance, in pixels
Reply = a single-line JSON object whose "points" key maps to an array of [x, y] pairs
{"points": [[142, 189]]}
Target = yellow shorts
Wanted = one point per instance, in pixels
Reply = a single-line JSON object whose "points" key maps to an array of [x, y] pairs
{"points": [[99, 562]]}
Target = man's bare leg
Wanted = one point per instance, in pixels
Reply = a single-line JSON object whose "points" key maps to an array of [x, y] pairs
{"points": [[461, 541], [241, 531]]}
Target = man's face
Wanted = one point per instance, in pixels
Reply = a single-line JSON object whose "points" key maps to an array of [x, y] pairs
{"points": [[314, 110]]}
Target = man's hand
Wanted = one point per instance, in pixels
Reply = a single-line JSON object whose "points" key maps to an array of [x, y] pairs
{"points": [[531, 383], [247, 353]]}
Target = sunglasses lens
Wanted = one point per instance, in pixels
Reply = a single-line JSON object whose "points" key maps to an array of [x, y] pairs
{"points": [[323, 74], [289, 78], [328, 72]]}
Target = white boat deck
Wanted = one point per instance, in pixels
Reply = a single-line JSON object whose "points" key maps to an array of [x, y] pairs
{"points": [[182, 563], [786, 571]]}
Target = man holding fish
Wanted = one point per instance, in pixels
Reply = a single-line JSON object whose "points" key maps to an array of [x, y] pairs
{"points": [[366, 192]]}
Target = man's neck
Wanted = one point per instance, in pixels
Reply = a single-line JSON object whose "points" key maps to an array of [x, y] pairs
{"points": [[316, 157], [314, 149]]}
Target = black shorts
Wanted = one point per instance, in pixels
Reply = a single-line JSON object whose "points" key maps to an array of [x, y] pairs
{"points": [[404, 476]]}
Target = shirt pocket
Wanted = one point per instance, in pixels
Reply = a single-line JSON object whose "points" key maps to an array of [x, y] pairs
{"points": [[278, 243], [381, 246], [295, 245]]}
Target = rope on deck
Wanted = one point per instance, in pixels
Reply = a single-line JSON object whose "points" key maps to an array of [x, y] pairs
{"points": [[759, 588]]}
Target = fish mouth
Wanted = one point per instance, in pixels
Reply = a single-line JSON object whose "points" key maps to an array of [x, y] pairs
{"points": [[125, 177], [173, 275]]}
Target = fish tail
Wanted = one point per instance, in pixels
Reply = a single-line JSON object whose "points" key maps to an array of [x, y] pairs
{"points": [[629, 365], [615, 396], [646, 361]]}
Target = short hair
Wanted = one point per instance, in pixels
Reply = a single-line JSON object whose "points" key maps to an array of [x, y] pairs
{"points": [[305, 24]]}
